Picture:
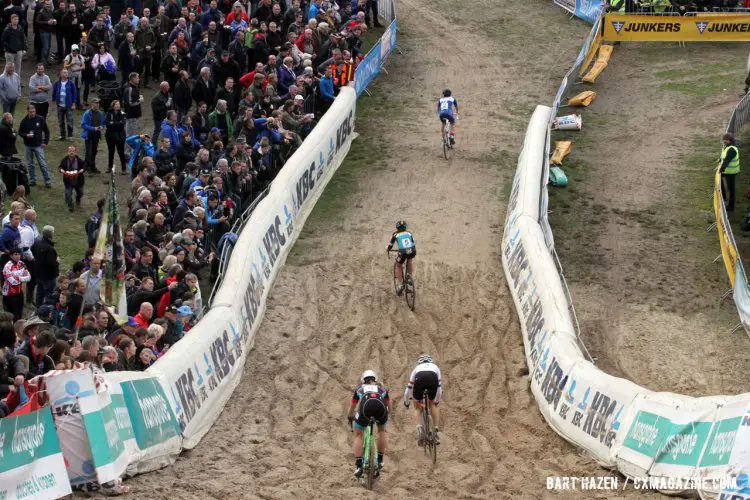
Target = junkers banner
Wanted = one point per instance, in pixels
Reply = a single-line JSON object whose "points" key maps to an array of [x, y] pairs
{"points": [[705, 28]]}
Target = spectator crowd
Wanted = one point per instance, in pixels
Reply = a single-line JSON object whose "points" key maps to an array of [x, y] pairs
{"points": [[236, 85]]}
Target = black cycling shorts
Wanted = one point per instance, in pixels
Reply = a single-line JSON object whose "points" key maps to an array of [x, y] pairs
{"points": [[372, 408], [425, 380], [401, 257]]}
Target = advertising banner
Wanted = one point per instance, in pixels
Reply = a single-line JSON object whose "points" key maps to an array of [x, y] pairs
{"points": [[726, 241], [569, 5], [107, 450], [707, 28], [201, 372], [368, 69], [151, 416], [588, 10], [31, 463]]}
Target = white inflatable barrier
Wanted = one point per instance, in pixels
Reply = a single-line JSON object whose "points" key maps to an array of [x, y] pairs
{"points": [[676, 443], [202, 370]]}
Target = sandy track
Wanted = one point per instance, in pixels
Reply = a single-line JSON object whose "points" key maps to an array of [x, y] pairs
{"points": [[283, 433]]}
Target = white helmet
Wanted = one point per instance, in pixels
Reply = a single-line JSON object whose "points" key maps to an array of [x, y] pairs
{"points": [[369, 374], [424, 358]]}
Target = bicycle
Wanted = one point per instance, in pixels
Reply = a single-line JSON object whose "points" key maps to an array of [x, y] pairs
{"points": [[447, 146], [429, 443], [409, 291], [370, 466]]}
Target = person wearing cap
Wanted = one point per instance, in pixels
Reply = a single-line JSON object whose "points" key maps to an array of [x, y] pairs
{"points": [[64, 98], [92, 123], [15, 274], [47, 267]]}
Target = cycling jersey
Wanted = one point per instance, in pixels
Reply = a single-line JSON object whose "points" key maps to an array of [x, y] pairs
{"points": [[447, 108], [372, 402], [404, 241], [424, 376]]}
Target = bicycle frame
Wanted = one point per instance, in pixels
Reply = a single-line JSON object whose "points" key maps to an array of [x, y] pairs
{"points": [[369, 454]]}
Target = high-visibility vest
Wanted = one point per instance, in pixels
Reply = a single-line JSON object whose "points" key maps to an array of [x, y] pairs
{"points": [[344, 76], [734, 164]]}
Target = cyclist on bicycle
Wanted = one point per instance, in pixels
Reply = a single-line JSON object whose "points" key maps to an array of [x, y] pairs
{"points": [[448, 109], [370, 400], [407, 250], [426, 375]]}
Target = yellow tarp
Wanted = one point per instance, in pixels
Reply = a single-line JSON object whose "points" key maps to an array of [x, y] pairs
{"points": [[605, 52], [583, 99], [562, 149], [706, 28], [593, 49]]}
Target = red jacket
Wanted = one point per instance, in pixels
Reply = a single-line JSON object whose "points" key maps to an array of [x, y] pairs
{"points": [[166, 299], [142, 322], [230, 18], [15, 275], [301, 44]]}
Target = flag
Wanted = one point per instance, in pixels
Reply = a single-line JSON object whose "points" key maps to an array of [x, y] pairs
{"points": [[109, 248]]}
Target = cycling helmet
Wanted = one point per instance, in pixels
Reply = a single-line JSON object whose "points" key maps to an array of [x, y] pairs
{"points": [[401, 225], [424, 358], [447, 93], [369, 374]]}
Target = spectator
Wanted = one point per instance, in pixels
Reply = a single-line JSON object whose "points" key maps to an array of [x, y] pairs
{"points": [[161, 104], [115, 135], [76, 64], [93, 280], [171, 66], [92, 225], [39, 87], [10, 88], [222, 120], [46, 264], [15, 274], [142, 148], [65, 96], [326, 90], [145, 312], [729, 168], [145, 266], [75, 302], [72, 170], [182, 97], [128, 360], [39, 360], [132, 100], [14, 42], [204, 89], [103, 64], [7, 136], [35, 135], [145, 42], [127, 56], [29, 234], [45, 22], [92, 123]]}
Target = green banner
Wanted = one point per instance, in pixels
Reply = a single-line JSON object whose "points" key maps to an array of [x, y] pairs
{"points": [[647, 433], [150, 412], [102, 430], [684, 444], [121, 415], [26, 438], [721, 442]]}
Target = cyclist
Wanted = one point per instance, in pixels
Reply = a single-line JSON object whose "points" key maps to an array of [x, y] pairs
{"points": [[407, 250], [448, 109], [426, 375], [370, 400]]}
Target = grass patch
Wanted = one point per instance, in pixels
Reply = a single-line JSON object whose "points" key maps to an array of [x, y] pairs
{"points": [[704, 86]]}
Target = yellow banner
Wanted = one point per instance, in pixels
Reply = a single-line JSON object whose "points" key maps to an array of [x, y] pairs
{"points": [[706, 28], [728, 250], [593, 49]]}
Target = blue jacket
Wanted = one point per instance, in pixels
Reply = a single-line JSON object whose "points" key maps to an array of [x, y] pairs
{"points": [[326, 89], [71, 93], [273, 136], [9, 238], [313, 11], [181, 130], [86, 123], [170, 131], [134, 141]]}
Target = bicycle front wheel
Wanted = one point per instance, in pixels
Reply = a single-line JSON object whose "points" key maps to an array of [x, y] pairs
{"points": [[395, 277], [372, 465]]}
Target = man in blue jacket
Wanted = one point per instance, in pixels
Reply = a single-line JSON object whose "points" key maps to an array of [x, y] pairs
{"points": [[169, 130], [326, 89], [92, 124], [142, 146], [65, 96]]}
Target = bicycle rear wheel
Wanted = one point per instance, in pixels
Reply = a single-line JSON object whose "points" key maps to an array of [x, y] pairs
{"points": [[409, 290], [446, 138], [431, 446]]}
